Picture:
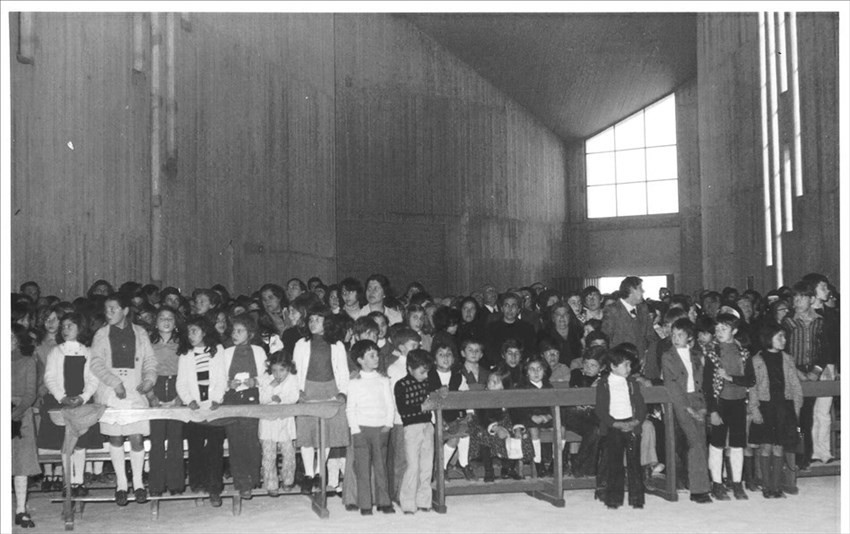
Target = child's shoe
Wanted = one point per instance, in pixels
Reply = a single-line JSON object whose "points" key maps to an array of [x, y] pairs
{"points": [[388, 509], [489, 475], [738, 491], [469, 473], [366, 511], [141, 496], [274, 492], [215, 500], [24, 520], [121, 497], [701, 498], [718, 491]]}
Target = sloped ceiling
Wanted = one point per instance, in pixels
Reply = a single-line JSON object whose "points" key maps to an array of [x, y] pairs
{"points": [[577, 72]]}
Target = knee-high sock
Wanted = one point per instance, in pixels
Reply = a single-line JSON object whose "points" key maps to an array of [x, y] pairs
{"points": [[78, 466], [535, 443], [21, 494], [307, 454], [715, 463], [97, 467], [448, 452], [116, 454], [333, 472], [736, 460], [463, 451], [137, 462]]}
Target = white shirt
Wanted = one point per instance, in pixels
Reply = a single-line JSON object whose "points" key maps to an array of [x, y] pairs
{"points": [[629, 307], [370, 402], [685, 356], [620, 406]]}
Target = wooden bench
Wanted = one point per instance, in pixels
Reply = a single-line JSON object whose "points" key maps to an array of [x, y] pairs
{"points": [[321, 410], [550, 490]]}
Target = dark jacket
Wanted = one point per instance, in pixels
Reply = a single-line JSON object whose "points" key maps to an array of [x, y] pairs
{"points": [[603, 404]]}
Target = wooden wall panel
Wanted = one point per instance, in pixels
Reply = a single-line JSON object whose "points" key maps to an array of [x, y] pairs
{"points": [[79, 214], [731, 159], [424, 140], [253, 197]]}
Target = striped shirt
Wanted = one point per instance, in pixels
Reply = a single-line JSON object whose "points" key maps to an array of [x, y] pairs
{"points": [[202, 368], [804, 341]]}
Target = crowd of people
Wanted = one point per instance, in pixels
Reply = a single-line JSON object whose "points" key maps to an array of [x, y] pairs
{"points": [[732, 362]]}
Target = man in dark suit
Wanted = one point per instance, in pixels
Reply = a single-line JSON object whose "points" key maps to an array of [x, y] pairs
{"points": [[628, 321], [508, 326]]}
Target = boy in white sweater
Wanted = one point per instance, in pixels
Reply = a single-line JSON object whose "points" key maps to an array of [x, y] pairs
{"points": [[370, 409]]}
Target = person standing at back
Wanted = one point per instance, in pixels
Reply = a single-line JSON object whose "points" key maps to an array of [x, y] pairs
{"points": [[628, 321]]}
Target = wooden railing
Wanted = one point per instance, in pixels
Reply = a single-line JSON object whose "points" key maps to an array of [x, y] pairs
{"points": [[321, 410], [556, 398]]}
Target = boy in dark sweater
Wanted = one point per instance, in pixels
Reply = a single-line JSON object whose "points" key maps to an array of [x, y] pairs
{"points": [[413, 404]]}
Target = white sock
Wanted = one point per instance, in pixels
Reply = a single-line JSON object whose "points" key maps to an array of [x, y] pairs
{"points": [[715, 463], [116, 454], [137, 462], [562, 445], [333, 472], [97, 467], [78, 466], [536, 444], [463, 451], [448, 452], [307, 454], [736, 459], [21, 494]]}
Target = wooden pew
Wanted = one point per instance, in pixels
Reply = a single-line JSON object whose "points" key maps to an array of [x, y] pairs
{"points": [[549, 490], [322, 410]]}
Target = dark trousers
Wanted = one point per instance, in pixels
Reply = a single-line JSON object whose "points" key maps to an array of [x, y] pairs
{"points": [[206, 456], [166, 464], [584, 423], [616, 443], [370, 453], [246, 455], [734, 416], [807, 413]]}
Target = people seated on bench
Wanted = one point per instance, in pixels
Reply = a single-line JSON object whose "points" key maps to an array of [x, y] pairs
{"points": [[535, 377], [445, 376], [582, 419], [70, 383], [123, 362], [492, 434]]}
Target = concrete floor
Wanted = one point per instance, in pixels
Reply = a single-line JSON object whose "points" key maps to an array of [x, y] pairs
{"points": [[816, 509]]}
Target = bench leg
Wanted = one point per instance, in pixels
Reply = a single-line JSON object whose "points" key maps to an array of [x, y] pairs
{"points": [[237, 505], [154, 509]]}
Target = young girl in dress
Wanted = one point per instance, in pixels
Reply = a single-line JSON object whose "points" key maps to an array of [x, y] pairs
{"points": [[323, 374], [166, 465], [206, 442], [489, 430], [70, 383], [418, 322], [621, 411], [536, 376], [475, 374], [278, 385], [447, 377], [370, 411], [774, 406], [47, 330], [234, 381], [123, 362], [23, 387]]}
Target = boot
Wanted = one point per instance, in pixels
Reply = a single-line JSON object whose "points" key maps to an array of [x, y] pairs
{"points": [[487, 460], [718, 491], [749, 474], [738, 491], [767, 474], [777, 464], [789, 480]]}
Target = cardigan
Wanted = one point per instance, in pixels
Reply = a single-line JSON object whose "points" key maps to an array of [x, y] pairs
{"points": [[761, 391], [187, 376], [54, 371], [220, 365], [101, 361], [339, 363]]}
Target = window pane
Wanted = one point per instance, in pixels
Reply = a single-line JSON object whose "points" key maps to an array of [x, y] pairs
{"points": [[629, 133], [631, 166], [651, 284], [661, 123], [631, 199], [663, 196], [600, 168], [661, 163], [601, 201], [602, 142]]}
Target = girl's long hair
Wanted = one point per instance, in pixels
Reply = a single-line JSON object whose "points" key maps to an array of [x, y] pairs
{"points": [[211, 340]]}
